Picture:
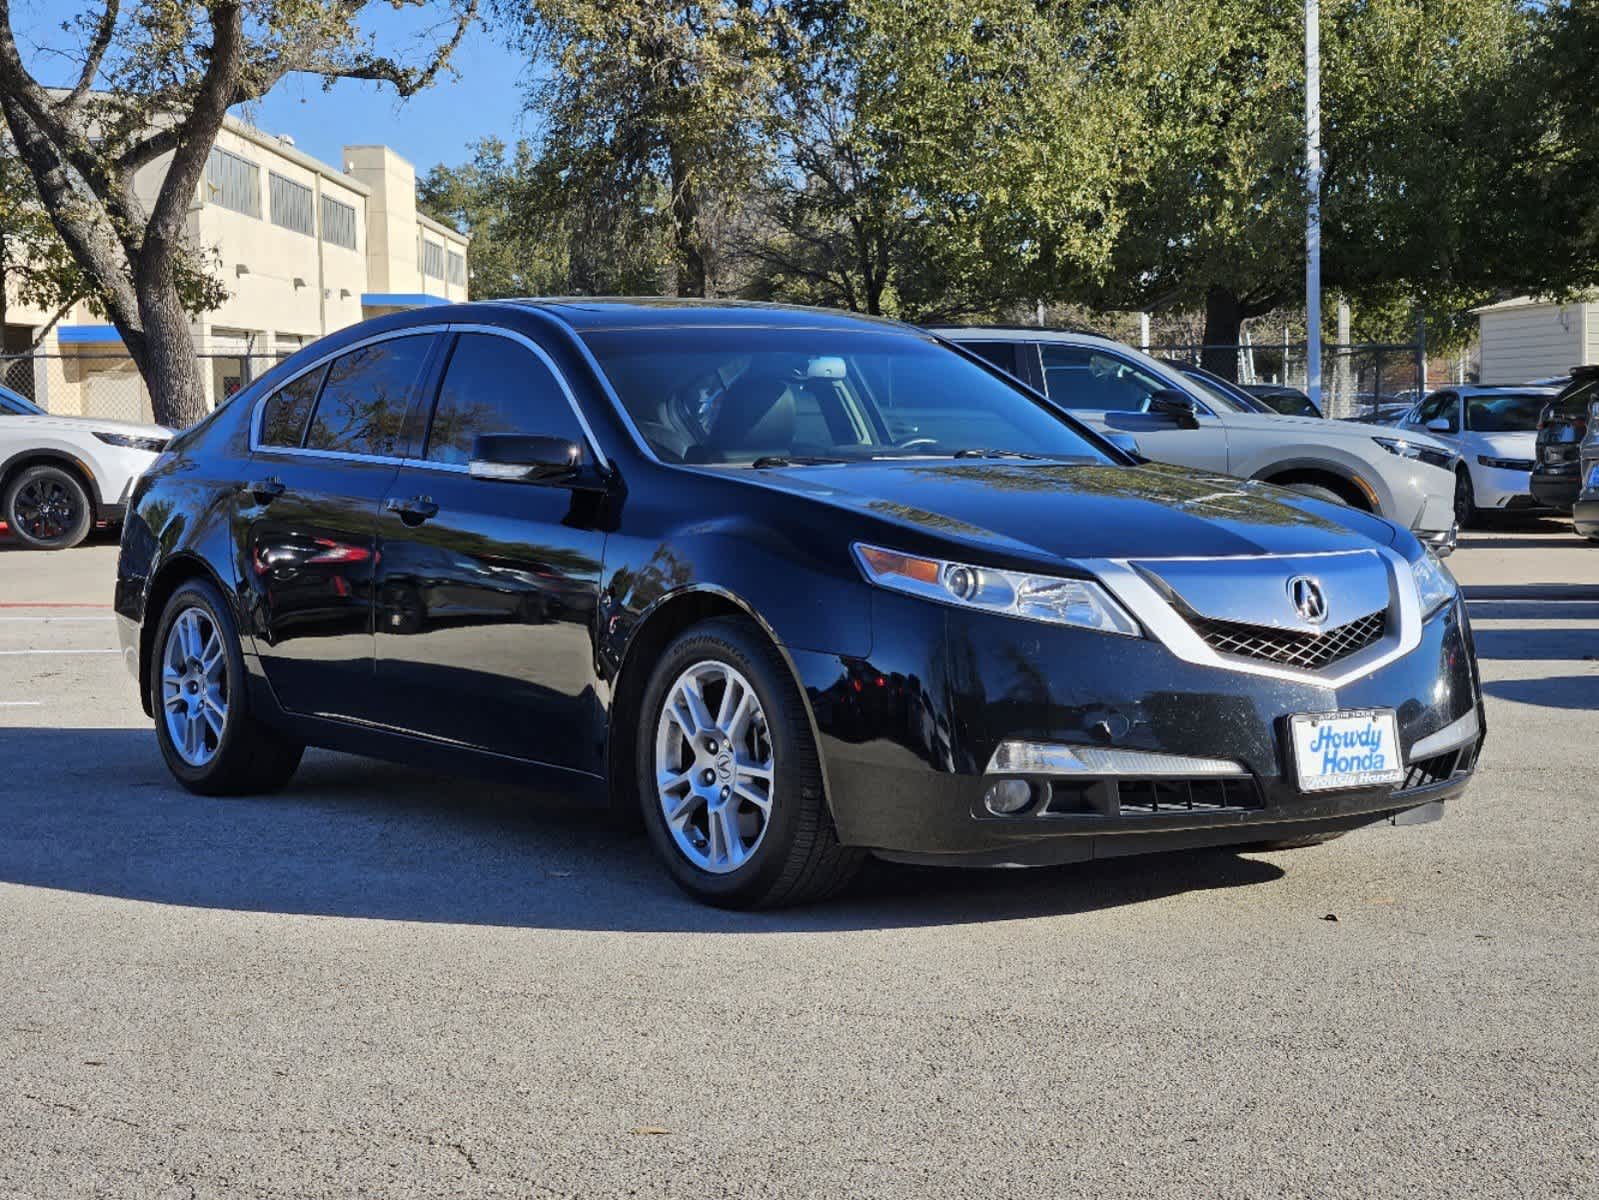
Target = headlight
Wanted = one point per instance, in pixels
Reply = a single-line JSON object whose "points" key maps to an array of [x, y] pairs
{"points": [[1506, 464], [1434, 583], [133, 441], [1044, 598], [1427, 454]]}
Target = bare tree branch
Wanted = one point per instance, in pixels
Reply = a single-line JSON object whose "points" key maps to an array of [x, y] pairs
{"points": [[98, 45]]}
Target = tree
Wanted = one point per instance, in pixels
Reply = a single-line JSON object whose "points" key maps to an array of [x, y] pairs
{"points": [[1210, 109], [653, 107], [153, 86], [934, 161], [488, 198]]}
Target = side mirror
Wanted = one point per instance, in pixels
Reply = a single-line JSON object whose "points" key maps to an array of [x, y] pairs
{"points": [[1125, 442], [522, 459], [1440, 425], [1179, 406]]}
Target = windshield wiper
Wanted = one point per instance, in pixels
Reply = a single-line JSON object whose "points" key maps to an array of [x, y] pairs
{"points": [[980, 452], [792, 460]]}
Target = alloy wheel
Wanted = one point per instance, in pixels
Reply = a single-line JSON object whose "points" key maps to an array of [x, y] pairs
{"points": [[714, 767], [45, 509], [194, 686]]}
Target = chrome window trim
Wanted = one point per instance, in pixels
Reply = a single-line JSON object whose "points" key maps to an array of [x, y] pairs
{"points": [[257, 415], [1169, 627]]}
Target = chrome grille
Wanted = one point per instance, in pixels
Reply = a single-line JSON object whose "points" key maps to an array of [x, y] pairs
{"points": [[1292, 648]]}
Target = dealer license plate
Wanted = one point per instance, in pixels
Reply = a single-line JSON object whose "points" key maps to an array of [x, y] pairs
{"points": [[1346, 749]]}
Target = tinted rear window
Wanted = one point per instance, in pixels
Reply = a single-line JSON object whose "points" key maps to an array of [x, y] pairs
{"points": [[287, 410], [364, 401]]}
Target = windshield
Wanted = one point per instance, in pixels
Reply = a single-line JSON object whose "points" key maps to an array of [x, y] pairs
{"points": [[14, 405], [744, 396], [1504, 413]]}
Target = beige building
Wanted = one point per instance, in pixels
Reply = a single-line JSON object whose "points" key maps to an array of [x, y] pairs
{"points": [[1525, 339], [302, 247]]}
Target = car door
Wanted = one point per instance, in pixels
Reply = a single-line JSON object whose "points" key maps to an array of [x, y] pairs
{"points": [[1117, 392], [486, 588], [324, 448]]}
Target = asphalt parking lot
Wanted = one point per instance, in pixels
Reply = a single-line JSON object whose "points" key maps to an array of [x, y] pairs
{"points": [[387, 983]]}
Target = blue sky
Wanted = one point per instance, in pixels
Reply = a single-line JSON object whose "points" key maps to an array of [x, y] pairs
{"points": [[484, 99]]}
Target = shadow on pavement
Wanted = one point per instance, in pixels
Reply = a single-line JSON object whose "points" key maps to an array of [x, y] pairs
{"points": [[1541, 644], [94, 811], [1555, 691]]}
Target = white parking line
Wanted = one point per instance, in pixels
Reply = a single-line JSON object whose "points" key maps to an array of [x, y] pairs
{"points": [[20, 703], [11, 652], [58, 620]]}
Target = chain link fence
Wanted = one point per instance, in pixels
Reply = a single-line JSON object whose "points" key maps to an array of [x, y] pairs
{"points": [[1360, 380], [98, 382]]}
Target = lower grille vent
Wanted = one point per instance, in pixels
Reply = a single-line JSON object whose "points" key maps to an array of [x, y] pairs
{"points": [[1152, 797]]}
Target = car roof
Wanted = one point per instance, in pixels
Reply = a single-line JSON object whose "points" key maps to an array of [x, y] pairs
{"points": [[1024, 333], [588, 313], [1507, 389]]}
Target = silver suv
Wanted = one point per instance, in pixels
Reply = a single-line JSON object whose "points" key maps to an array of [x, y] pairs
{"points": [[1407, 477]]}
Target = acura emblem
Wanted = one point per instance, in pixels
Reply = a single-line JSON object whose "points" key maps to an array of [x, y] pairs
{"points": [[1308, 600]]}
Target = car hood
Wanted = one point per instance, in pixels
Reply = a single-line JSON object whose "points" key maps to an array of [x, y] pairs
{"points": [[1521, 444], [1319, 428], [1064, 510], [91, 424]]}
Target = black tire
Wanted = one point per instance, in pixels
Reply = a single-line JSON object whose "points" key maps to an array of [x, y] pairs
{"points": [[1298, 843], [250, 757], [1316, 492], [798, 859], [1467, 514], [48, 508]]}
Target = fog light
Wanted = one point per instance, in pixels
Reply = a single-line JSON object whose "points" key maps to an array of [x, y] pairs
{"points": [[1008, 797]]}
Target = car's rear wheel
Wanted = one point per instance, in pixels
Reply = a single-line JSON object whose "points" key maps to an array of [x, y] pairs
{"points": [[212, 742], [1466, 513], [730, 783], [48, 508]]}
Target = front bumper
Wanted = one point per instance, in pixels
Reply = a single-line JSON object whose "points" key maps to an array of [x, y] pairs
{"points": [[1503, 490], [906, 735]]}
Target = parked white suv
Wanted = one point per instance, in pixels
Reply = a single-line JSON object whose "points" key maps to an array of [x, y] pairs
{"points": [[1407, 477], [59, 475]]}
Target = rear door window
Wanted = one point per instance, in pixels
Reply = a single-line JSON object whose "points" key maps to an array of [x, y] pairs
{"points": [[364, 401]]}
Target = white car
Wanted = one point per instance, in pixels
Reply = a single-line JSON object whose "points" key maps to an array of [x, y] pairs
{"points": [[60, 475], [1495, 432], [1404, 476]]}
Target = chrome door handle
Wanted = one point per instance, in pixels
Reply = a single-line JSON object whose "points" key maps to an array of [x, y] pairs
{"points": [[265, 490], [412, 511]]}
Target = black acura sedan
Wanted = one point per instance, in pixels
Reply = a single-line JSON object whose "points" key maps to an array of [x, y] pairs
{"points": [[794, 586]]}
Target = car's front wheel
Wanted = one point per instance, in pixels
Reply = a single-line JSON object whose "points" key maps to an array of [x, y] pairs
{"points": [[1466, 513], [212, 742], [730, 783], [48, 508]]}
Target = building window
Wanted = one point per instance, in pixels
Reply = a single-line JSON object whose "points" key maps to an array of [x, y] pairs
{"points": [[233, 182], [291, 204], [432, 259], [338, 223], [457, 264]]}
